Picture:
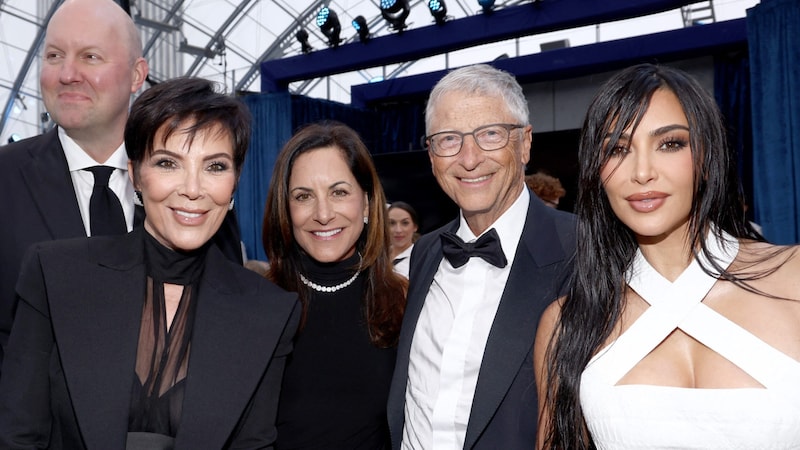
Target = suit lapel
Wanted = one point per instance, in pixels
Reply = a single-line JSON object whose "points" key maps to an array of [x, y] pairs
{"points": [[48, 180], [219, 386], [528, 291], [97, 327]]}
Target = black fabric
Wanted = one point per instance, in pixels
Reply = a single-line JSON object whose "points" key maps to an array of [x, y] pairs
{"points": [[162, 355], [336, 382], [487, 247], [105, 211], [168, 266]]}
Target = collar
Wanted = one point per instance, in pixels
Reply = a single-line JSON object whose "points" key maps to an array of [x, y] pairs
{"points": [[508, 226], [77, 159]]}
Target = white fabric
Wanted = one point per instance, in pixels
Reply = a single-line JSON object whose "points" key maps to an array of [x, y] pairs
{"points": [[404, 264], [450, 337], [83, 181], [662, 417]]}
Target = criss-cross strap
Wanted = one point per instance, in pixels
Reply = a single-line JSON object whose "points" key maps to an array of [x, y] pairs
{"points": [[670, 304]]}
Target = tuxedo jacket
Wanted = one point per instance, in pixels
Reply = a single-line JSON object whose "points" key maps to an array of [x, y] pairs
{"points": [[70, 365], [504, 408], [38, 203]]}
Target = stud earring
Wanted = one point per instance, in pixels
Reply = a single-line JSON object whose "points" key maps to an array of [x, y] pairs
{"points": [[366, 220]]}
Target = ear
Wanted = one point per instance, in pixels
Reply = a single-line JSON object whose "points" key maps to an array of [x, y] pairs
{"points": [[132, 176], [525, 145], [366, 205], [139, 74]]}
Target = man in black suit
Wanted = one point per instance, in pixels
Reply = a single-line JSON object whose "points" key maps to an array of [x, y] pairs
{"points": [[464, 373], [87, 78]]}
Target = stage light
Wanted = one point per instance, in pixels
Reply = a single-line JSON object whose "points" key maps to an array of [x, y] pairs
{"points": [[395, 12], [438, 10], [360, 24], [487, 5], [302, 37], [328, 23]]}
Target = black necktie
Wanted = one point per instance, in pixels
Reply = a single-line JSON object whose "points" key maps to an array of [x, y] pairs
{"points": [[487, 247], [105, 211]]}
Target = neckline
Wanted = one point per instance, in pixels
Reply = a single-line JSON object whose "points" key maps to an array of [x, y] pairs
{"points": [[330, 277]]}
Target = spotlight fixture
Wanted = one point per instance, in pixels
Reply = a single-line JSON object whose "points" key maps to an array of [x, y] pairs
{"points": [[395, 12], [328, 23], [302, 37], [487, 5], [438, 11], [360, 24]]}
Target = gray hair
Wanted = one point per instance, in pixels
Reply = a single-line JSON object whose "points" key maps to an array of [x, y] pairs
{"points": [[483, 80]]}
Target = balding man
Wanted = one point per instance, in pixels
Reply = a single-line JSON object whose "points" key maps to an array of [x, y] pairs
{"points": [[91, 65]]}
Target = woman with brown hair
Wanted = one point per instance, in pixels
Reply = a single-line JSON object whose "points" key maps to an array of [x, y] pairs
{"points": [[326, 236]]}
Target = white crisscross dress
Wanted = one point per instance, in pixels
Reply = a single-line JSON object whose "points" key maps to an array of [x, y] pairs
{"points": [[662, 417]]}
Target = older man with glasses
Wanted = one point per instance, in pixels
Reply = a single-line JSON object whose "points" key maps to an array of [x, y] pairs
{"points": [[464, 373]]}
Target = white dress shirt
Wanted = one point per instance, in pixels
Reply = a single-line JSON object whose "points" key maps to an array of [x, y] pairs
{"points": [[405, 260], [450, 338], [83, 180]]}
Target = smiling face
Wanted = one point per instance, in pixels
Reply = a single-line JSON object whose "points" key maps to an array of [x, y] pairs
{"points": [[402, 229], [186, 188], [326, 205], [483, 184], [89, 68], [649, 180]]}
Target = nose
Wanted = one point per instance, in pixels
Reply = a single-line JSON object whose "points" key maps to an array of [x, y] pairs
{"points": [[192, 185], [69, 72], [471, 155], [643, 167], [323, 212]]}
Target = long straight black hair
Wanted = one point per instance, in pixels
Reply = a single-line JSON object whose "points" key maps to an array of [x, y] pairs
{"points": [[596, 297]]}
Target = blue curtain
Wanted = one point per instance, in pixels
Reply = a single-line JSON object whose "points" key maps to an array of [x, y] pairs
{"points": [[773, 35], [307, 110], [732, 92], [272, 127]]}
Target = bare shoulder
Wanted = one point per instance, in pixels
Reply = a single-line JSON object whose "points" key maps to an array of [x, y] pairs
{"points": [[547, 327], [776, 268]]}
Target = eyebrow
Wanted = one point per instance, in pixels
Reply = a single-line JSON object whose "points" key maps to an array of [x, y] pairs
{"points": [[182, 155], [669, 128], [336, 184], [654, 133]]}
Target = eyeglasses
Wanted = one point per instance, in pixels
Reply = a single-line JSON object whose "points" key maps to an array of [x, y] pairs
{"points": [[488, 137]]}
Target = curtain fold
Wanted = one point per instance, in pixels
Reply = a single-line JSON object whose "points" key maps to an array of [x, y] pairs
{"points": [[732, 92], [272, 127], [773, 34]]}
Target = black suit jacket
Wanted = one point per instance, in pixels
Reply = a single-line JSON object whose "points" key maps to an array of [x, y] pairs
{"points": [[504, 408], [71, 357], [38, 203]]}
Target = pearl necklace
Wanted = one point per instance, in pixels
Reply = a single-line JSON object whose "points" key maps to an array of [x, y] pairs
{"points": [[340, 286]]}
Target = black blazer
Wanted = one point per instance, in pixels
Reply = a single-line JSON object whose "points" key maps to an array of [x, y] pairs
{"points": [[70, 363], [504, 409], [39, 204]]}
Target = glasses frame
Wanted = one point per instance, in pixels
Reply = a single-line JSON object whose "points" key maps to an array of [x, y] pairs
{"points": [[426, 140]]}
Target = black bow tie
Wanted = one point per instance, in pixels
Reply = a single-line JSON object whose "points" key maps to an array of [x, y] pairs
{"points": [[487, 247]]}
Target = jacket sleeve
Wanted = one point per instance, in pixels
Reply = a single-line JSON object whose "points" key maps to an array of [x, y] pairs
{"points": [[256, 429], [25, 415]]}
